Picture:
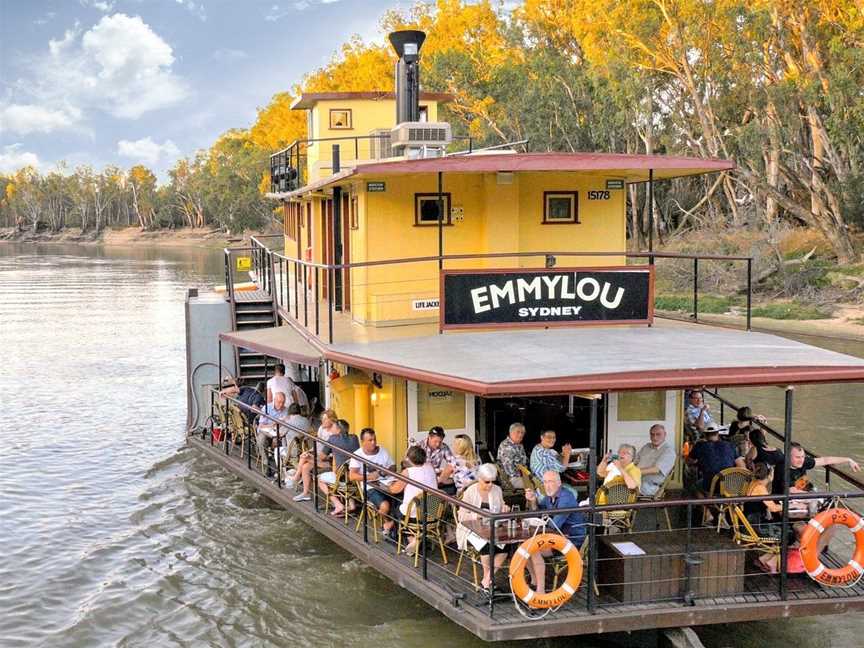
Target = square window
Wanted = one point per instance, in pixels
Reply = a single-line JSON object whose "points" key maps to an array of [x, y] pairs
{"points": [[426, 208], [340, 119], [560, 207]]}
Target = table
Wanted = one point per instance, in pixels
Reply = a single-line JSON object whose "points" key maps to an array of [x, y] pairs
{"points": [[502, 532], [660, 572]]}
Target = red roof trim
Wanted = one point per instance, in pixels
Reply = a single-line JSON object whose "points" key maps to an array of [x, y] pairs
{"points": [[548, 162]]}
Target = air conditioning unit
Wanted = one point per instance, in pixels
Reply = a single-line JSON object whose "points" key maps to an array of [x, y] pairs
{"points": [[421, 134], [379, 144]]}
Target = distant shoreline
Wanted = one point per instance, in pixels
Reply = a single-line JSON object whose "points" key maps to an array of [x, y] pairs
{"points": [[180, 237]]}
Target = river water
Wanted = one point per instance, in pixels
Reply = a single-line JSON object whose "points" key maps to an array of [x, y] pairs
{"points": [[112, 533]]}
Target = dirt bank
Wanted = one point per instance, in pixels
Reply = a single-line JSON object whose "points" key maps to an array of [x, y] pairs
{"points": [[182, 237]]}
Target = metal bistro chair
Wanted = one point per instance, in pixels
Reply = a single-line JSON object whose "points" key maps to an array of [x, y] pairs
{"points": [[342, 489], [219, 417], [368, 508], [468, 552], [617, 492], [559, 564], [412, 523], [746, 535], [297, 446], [734, 481], [658, 497], [239, 427]]}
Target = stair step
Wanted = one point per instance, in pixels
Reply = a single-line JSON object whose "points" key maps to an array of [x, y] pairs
{"points": [[261, 321], [253, 311]]}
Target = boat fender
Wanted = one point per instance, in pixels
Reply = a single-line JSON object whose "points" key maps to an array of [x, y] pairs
{"points": [[838, 577], [545, 542]]}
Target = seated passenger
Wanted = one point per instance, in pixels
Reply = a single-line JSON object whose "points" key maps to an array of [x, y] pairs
{"points": [[571, 525], [275, 412], [375, 454], [346, 443], [511, 454], [799, 464], [698, 413], [487, 495], [327, 429], [419, 470], [440, 456], [247, 397], [655, 460], [713, 455], [544, 457], [619, 465], [464, 462]]}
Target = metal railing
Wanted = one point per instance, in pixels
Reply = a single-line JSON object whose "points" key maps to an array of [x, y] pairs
{"points": [[754, 584], [294, 281], [289, 167]]}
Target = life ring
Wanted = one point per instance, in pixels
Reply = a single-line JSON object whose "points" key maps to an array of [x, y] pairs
{"points": [[839, 577], [543, 542]]}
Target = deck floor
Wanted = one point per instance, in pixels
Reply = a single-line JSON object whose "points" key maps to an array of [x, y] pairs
{"points": [[759, 600]]}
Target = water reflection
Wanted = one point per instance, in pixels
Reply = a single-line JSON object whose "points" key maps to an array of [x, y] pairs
{"points": [[115, 534]]}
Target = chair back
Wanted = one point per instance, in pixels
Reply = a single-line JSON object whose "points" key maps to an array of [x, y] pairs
{"points": [[733, 482], [529, 480], [435, 507], [503, 478], [745, 534], [617, 492], [235, 416]]}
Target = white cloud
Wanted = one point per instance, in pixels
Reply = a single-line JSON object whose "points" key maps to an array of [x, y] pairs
{"points": [[146, 150], [101, 5], [22, 119], [119, 66], [45, 18], [12, 158], [196, 8], [229, 55]]}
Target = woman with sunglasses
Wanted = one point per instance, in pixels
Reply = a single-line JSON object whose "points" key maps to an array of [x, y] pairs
{"points": [[484, 494]]}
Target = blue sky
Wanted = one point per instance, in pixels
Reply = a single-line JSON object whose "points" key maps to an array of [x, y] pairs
{"points": [[147, 81]]}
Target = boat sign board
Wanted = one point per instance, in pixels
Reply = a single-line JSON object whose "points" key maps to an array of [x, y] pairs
{"points": [[244, 263], [547, 297]]}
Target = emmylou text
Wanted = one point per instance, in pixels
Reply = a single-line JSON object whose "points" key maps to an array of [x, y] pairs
{"points": [[542, 288]]}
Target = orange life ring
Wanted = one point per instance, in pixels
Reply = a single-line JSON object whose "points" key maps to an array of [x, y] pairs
{"points": [[810, 551], [543, 542]]}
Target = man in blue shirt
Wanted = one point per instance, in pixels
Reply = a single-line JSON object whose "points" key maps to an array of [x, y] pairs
{"points": [[572, 525], [713, 455]]}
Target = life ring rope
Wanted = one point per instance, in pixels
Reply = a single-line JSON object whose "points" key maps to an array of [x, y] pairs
{"points": [[844, 577]]}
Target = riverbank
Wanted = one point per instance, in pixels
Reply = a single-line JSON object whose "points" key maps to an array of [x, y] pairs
{"points": [[128, 236]]}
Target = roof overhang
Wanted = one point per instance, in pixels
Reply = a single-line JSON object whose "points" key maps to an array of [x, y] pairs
{"points": [[630, 168], [598, 359], [283, 342]]}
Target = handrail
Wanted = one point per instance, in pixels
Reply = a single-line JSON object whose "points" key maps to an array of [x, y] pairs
{"points": [[589, 508], [777, 435], [398, 475]]}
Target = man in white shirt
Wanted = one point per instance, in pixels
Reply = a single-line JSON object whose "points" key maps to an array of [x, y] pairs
{"points": [[282, 383], [374, 454], [655, 459]]}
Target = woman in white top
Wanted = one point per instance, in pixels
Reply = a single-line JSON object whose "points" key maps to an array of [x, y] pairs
{"points": [[304, 464], [483, 494], [420, 471]]}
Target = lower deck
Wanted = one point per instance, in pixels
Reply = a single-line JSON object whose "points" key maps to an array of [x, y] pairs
{"points": [[456, 598]]}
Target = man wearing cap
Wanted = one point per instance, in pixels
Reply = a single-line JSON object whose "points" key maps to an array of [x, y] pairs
{"points": [[713, 455], [440, 456]]}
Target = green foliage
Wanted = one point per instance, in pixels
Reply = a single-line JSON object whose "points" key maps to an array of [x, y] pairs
{"points": [[790, 311], [707, 303]]}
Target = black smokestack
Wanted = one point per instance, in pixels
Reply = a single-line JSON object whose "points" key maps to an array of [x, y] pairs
{"points": [[407, 44]]}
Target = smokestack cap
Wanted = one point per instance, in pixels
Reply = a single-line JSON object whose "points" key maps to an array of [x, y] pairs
{"points": [[407, 43]]}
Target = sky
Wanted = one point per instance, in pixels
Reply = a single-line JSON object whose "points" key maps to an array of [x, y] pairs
{"points": [[130, 82]]}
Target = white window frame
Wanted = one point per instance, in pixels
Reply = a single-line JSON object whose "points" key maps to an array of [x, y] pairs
{"points": [[450, 434]]}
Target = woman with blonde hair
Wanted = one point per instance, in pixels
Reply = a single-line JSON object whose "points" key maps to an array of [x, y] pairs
{"points": [[303, 474], [464, 462]]}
